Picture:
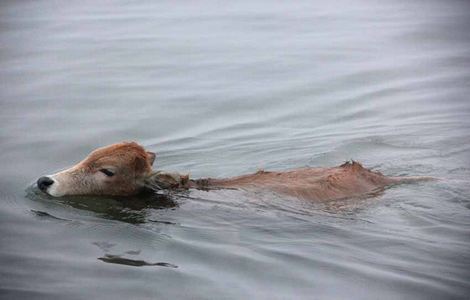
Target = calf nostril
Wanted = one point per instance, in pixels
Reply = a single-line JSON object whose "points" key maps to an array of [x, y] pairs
{"points": [[44, 182]]}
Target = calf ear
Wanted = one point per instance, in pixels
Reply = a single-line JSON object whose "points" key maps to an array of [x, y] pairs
{"points": [[151, 157], [141, 164]]}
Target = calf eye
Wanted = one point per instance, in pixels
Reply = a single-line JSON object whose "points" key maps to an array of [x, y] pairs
{"points": [[107, 172]]}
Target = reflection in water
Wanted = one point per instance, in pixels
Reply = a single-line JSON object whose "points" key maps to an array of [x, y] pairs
{"points": [[352, 206], [126, 209], [46, 215], [116, 259], [137, 209]]}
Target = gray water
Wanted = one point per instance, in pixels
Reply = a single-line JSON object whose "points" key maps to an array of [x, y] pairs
{"points": [[221, 89]]}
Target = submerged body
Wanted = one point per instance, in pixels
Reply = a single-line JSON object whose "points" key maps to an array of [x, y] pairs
{"points": [[350, 179], [124, 169], [347, 180]]}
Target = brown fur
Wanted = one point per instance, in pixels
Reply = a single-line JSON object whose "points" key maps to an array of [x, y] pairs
{"points": [[129, 162], [132, 166], [347, 180]]}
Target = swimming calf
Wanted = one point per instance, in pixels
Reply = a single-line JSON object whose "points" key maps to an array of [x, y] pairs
{"points": [[125, 169]]}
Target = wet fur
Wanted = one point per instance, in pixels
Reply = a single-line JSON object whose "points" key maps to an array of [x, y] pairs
{"points": [[134, 173], [320, 184], [128, 160]]}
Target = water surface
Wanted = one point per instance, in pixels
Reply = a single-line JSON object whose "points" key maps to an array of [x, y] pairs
{"points": [[221, 89]]}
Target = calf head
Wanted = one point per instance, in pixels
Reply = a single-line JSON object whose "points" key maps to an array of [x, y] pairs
{"points": [[116, 170]]}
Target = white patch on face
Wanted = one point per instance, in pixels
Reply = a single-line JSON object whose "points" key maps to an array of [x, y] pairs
{"points": [[54, 189], [60, 187]]}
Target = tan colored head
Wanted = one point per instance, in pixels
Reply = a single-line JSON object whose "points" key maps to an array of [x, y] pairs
{"points": [[115, 170]]}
